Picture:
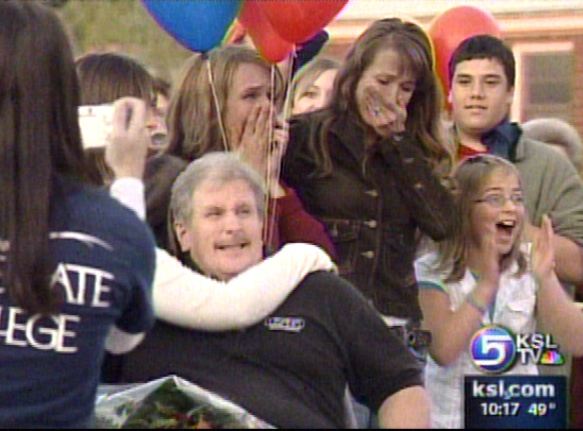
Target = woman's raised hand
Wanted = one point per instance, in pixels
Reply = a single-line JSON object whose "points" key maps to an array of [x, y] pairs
{"points": [[387, 117], [127, 151]]}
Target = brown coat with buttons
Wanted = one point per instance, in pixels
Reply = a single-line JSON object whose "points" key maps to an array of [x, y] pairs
{"points": [[373, 203]]}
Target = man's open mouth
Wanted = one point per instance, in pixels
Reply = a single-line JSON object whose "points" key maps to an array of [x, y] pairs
{"points": [[237, 246]]}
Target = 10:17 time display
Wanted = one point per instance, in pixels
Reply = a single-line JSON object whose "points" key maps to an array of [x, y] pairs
{"points": [[500, 409]]}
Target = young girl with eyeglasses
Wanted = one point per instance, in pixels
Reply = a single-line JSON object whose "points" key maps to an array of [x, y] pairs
{"points": [[483, 276]]}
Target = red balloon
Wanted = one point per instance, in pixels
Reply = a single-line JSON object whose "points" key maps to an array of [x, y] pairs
{"points": [[268, 42], [298, 20], [450, 28]]}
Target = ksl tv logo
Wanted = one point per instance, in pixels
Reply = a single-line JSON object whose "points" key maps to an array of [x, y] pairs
{"points": [[494, 349]]}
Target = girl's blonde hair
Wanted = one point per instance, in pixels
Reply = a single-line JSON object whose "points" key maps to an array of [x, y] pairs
{"points": [[196, 113], [469, 180]]}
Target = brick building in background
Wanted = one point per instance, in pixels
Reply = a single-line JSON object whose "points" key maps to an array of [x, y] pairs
{"points": [[545, 35]]}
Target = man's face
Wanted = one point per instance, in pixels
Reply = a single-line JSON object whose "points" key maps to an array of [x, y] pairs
{"points": [[224, 235], [480, 96]]}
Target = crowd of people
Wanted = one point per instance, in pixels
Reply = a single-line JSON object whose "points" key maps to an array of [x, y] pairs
{"points": [[319, 250]]}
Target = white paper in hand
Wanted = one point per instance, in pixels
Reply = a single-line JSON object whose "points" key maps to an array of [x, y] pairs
{"points": [[95, 122]]}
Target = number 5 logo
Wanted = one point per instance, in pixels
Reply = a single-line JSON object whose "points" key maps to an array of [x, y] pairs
{"points": [[492, 349]]}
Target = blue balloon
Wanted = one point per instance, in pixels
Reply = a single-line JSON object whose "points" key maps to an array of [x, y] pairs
{"points": [[198, 25]]}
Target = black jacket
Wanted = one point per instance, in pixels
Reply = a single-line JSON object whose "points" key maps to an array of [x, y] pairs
{"points": [[372, 205]]}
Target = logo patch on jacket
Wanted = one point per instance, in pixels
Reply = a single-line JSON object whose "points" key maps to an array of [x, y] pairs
{"points": [[287, 324]]}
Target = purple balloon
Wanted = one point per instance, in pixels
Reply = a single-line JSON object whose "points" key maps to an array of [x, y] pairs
{"points": [[198, 25]]}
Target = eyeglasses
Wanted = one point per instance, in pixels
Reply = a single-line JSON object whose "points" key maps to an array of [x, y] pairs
{"points": [[498, 201]]}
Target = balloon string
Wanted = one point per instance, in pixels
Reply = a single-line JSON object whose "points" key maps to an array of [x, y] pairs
{"points": [[226, 145], [287, 100], [269, 227]]}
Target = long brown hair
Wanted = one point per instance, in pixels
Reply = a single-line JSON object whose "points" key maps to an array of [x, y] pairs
{"points": [[195, 118], [40, 140], [104, 77], [469, 180], [424, 109]]}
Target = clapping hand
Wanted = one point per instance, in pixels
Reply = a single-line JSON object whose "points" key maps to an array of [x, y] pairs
{"points": [[543, 255]]}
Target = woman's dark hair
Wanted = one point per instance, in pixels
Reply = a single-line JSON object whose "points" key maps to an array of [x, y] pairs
{"points": [[107, 76], [103, 78], [40, 140], [423, 122]]}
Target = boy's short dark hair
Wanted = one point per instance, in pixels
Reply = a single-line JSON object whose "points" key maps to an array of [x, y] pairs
{"points": [[484, 46]]}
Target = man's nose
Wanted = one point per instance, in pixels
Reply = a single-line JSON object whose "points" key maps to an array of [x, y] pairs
{"points": [[231, 222], [477, 89]]}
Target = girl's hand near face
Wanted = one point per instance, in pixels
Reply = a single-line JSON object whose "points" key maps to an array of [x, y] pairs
{"points": [[488, 283], [452, 329], [488, 271], [262, 144], [387, 117], [251, 142], [543, 255]]}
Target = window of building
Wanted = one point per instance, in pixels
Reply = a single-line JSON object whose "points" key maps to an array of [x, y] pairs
{"points": [[545, 81]]}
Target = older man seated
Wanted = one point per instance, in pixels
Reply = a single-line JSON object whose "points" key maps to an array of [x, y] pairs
{"points": [[292, 369]]}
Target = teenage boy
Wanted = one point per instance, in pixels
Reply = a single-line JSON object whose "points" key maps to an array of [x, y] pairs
{"points": [[482, 75]]}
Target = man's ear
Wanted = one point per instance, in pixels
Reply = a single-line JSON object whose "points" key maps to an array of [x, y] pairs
{"points": [[182, 235], [450, 97]]}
